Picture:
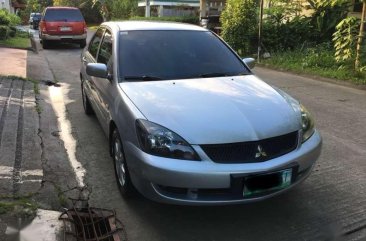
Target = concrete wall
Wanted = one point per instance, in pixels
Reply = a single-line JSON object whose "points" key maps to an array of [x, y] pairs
{"points": [[7, 5]]}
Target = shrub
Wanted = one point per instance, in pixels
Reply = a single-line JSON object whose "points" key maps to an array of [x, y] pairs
{"points": [[4, 32], [288, 35], [12, 32], [4, 18], [239, 24], [181, 19], [8, 19]]}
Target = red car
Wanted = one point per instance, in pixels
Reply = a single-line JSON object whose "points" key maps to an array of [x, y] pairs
{"points": [[64, 24]]}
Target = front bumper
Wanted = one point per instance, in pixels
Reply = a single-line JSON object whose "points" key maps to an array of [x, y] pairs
{"points": [[63, 37], [208, 183]]}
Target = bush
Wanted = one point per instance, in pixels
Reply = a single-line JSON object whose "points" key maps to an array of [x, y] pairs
{"points": [[122, 9], [288, 35], [181, 19], [239, 24], [8, 19], [4, 32], [4, 18], [12, 32]]}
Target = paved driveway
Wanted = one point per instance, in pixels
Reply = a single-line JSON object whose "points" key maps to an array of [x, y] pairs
{"points": [[332, 201]]}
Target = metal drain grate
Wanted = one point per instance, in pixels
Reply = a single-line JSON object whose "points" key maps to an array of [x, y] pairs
{"points": [[92, 224]]}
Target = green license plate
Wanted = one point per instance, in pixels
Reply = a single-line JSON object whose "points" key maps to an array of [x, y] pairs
{"points": [[255, 185]]}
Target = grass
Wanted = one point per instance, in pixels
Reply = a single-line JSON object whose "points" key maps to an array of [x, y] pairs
{"points": [[315, 61], [19, 205], [20, 40]]}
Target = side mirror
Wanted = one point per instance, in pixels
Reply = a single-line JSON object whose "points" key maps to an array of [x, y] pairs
{"points": [[250, 62], [97, 70]]}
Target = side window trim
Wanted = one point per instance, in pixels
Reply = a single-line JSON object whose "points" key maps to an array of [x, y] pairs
{"points": [[102, 40], [91, 41]]}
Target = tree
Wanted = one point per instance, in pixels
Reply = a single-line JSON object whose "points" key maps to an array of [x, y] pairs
{"points": [[326, 15], [239, 24], [360, 37]]}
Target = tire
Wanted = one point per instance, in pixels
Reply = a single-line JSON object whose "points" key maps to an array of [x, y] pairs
{"points": [[83, 44], [120, 167], [45, 44], [88, 109]]}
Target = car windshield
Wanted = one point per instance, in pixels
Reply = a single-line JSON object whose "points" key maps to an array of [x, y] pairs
{"points": [[64, 15], [168, 54]]}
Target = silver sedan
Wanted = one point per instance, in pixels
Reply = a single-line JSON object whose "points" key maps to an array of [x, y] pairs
{"points": [[186, 119]]}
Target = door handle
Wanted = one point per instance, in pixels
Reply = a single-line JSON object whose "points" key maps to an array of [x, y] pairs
{"points": [[84, 60]]}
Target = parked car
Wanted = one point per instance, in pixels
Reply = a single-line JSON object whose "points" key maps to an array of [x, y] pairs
{"points": [[62, 24], [34, 20], [188, 125]]}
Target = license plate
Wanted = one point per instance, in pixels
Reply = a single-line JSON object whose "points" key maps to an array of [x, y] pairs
{"points": [[267, 182], [64, 29]]}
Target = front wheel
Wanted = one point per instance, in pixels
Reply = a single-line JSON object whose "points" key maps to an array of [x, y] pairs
{"points": [[120, 166]]}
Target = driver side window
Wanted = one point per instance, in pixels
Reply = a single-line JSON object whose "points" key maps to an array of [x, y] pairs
{"points": [[105, 51], [94, 44]]}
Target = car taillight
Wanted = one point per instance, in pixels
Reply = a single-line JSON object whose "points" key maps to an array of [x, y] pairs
{"points": [[85, 28]]}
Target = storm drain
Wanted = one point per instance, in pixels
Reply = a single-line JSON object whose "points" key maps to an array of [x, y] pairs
{"points": [[92, 224]]}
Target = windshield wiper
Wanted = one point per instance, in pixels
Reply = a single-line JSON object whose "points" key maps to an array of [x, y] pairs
{"points": [[143, 77], [221, 74], [214, 75]]}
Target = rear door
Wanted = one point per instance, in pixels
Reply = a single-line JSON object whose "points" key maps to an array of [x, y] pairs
{"points": [[64, 21]]}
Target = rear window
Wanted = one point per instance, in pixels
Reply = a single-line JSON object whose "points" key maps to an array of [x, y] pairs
{"points": [[64, 15], [36, 16]]}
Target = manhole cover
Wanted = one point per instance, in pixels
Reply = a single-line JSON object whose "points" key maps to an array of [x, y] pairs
{"points": [[92, 224]]}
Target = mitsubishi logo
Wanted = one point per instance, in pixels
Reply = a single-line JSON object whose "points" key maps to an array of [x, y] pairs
{"points": [[260, 152]]}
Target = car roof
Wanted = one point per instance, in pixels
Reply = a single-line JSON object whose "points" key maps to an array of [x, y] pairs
{"points": [[152, 25]]}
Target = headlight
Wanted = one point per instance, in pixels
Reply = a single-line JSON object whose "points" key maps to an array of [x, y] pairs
{"points": [[160, 141], [307, 124]]}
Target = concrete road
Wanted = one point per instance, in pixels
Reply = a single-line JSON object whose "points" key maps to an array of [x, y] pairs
{"points": [[330, 203]]}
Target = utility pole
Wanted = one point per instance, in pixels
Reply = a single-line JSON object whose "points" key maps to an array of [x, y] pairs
{"points": [[360, 37], [260, 25], [147, 8]]}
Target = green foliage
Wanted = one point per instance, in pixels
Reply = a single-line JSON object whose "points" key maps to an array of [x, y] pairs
{"points": [[239, 24], [4, 19], [287, 35], [318, 60], [345, 39], [20, 40], [4, 32], [8, 19], [123, 9], [325, 17], [12, 32], [182, 19]]}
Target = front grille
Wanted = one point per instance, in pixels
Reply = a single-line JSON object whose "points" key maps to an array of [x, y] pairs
{"points": [[253, 151]]}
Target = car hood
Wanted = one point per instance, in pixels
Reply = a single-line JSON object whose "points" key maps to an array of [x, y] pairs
{"points": [[216, 110]]}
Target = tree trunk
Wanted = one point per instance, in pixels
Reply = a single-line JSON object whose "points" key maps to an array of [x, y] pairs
{"points": [[360, 37]]}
